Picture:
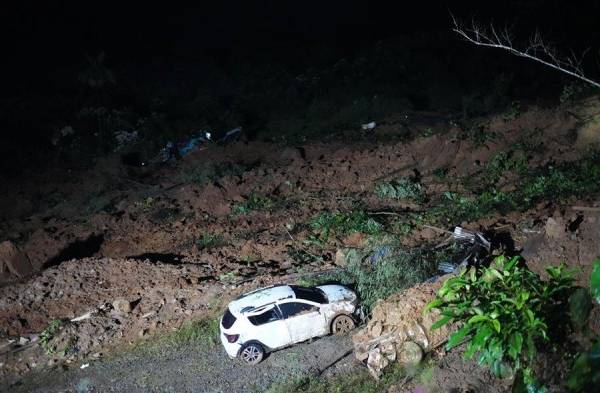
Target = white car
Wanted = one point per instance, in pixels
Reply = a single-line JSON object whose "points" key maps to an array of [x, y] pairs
{"points": [[275, 317]]}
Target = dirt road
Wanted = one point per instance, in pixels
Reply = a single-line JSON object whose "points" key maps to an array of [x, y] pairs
{"points": [[188, 369]]}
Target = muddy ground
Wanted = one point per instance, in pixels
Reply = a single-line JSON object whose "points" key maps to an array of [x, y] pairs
{"points": [[174, 242]]}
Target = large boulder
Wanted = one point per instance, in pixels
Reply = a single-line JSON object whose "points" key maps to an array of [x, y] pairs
{"points": [[399, 330], [14, 264]]}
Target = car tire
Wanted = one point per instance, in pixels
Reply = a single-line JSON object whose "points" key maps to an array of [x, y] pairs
{"points": [[252, 353], [342, 324]]}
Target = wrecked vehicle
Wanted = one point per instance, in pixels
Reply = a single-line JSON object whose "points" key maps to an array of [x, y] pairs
{"points": [[278, 316]]}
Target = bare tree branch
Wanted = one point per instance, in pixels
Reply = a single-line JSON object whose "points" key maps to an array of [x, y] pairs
{"points": [[537, 50]]}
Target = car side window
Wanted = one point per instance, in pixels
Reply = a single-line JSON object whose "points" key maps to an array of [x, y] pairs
{"points": [[266, 317], [293, 309]]}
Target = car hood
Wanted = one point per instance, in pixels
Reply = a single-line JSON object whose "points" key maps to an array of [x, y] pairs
{"points": [[337, 293]]}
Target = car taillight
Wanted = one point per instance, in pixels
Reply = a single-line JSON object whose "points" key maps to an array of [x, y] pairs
{"points": [[231, 338]]}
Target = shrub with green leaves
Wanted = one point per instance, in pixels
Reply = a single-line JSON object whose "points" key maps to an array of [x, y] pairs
{"points": [[585, 373], [385, 270], [404, 188], [48, 334], [209, 240], [506, 311], [595, 281], [343, 224], [254, 202]]}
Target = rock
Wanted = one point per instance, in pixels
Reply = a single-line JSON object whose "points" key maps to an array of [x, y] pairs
{"points": [[346, 256], [555, 228], [23, 340], [122, 306], [376, 363], [409, 353], [399, 322], [589, 132], [13, 261]]}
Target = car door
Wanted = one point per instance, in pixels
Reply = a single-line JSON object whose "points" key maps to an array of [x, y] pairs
{"points": [[268, 327], [304, 320]]}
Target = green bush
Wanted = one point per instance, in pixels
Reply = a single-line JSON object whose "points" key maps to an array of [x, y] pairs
{"points": [[404, 188], [585, 373], [209, 240], [344, 224], [254, 202], [385, 270], [48, 334], [506, 311]]}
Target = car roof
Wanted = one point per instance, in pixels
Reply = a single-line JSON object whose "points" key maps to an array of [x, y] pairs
{"points": [[260, 297]]}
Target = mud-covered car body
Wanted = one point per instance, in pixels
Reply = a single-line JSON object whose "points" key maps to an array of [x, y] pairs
{"points": [[279, 316]]}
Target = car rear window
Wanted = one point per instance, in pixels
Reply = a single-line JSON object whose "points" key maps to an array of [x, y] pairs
{"points": [[310, 294], [228, 319], [266, 317]]}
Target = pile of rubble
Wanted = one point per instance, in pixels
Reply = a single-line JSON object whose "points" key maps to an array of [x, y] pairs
{"points": [[399, 330]]}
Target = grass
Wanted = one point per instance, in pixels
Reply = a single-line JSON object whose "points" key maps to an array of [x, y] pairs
{"points": [[357, 382], [204, 332]]}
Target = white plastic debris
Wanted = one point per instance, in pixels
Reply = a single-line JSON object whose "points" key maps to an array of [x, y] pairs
{"points": [[368, 126], [85, 365], [82, 317]]}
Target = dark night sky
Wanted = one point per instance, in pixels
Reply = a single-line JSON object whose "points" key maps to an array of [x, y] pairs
{"points": [[44, 48], [58, 32]]}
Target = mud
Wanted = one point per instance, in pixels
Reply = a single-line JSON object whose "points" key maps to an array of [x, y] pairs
{"points": [[139, 233]]}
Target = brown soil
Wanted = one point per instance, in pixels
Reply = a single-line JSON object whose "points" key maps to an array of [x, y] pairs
{"points": [[115, 232]]}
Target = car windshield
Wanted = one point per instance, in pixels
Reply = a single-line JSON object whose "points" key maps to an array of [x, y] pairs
{"points": [[310, 294]]}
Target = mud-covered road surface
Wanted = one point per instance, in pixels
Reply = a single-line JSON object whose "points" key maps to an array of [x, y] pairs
{"points": [[190, 368]]}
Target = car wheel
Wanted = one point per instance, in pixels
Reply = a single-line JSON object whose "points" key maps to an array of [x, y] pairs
{"points": [[342, 324], [252, 353]]}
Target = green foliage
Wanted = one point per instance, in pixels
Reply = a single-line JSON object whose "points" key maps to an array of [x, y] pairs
{"points": [[204, 332], [585, 373], [580, 306], [514, 110], [209, 240], [341, 223], [505, 310], [441, 173], [571, 92], [550, 183], [501, 163], [404, 188], [595, 281], [254, 202], [211, 173], [228, 277], [385, 270], [48, 334], [427, 132], [478, 134]]}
